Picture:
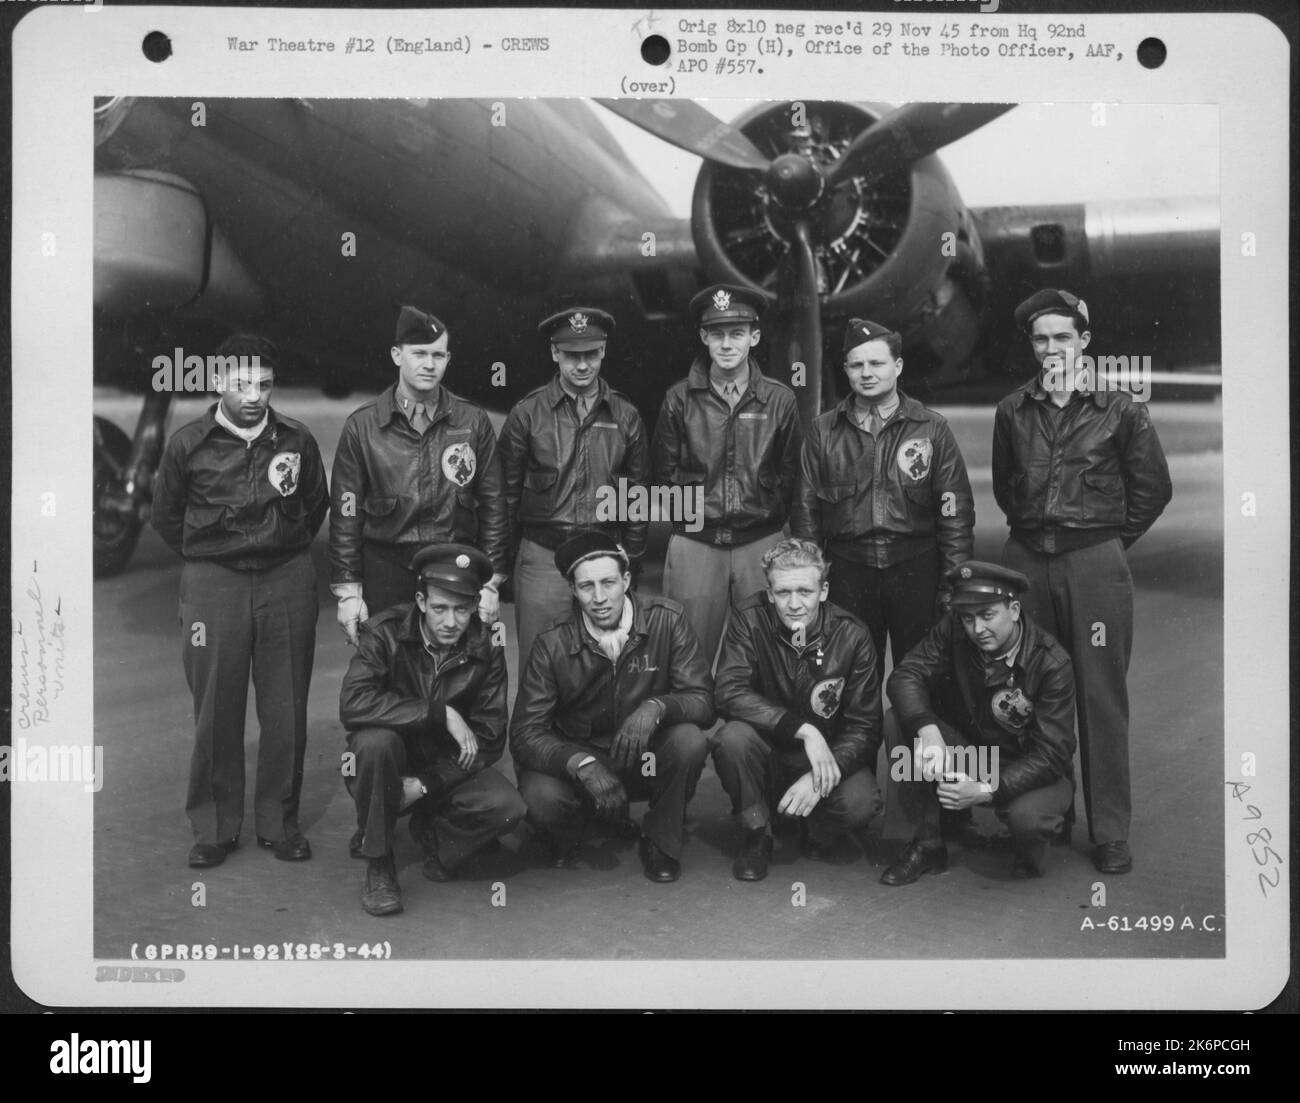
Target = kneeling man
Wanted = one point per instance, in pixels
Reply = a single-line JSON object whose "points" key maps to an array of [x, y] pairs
{"points": [[611, 702], [989, 690], [797, 685], [424, 704]]}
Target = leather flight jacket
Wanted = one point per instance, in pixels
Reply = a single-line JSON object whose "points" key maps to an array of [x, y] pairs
{"points": [[392, 682], [776, 686], [746, 459], [247, 505], [393, 486], [885, 499], [1025, 710], [1078, 476], [573, 698], [555, 468]]}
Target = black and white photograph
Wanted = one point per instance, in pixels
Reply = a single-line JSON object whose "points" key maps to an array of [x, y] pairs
{"points": [[684, 528]]}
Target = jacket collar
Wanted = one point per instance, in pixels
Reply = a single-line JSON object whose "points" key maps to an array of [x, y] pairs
{"points": [[475, 642], [816, 631], [908, 408], [388, 407], [211, 424], [1031, 640], [1034, 389], [759, 385], [578, 637], [555, 392]]}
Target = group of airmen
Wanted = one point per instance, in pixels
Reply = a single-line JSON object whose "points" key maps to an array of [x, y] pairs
{"points": [[813, 551]]}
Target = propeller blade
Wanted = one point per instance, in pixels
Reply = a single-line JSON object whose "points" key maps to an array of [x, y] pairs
{"points": [[799, 328], [910, 133], [689, 126]]}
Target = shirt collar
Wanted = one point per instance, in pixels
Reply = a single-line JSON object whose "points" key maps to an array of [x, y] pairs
{"points": [[247, 435], [718, 383], [562, 389], [405, 401]]}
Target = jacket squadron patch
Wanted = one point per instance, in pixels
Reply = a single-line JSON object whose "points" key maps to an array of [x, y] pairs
{"points": [[283, 472], [459, 463], [825, 697], [1012, 709], [914, 458]]}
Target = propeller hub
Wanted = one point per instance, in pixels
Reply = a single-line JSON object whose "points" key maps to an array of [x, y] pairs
{"points": [[794, 181]]}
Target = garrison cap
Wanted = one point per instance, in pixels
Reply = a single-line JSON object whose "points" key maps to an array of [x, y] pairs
{"points": [[456, 567], [725, 302], [578, 328], [588, 544], [860, 331], [1050, 301], [976, 583], [417, 327]]}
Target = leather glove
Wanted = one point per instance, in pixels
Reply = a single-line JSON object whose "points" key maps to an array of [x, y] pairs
{"points": [[352, 610], [605, 789], [633, 736]]}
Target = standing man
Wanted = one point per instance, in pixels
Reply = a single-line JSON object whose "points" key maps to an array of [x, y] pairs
{"points": [[415, 466], [885, 492], [424, 705], [983, 714], [564, 449], [1080, 474], [797, 685], [611, 702], [240, 494], [735, 431]]}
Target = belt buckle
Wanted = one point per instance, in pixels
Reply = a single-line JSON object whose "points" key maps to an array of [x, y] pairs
{"points": [[722, 536]]}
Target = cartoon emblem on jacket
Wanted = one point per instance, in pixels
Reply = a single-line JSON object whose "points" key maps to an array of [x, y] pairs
{"points": [[825, 697], [1012, 709], [283, 472], [459, 463], [914, 458]]}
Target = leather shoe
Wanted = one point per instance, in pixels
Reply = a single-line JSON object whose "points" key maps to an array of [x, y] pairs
{"points": [[657, 865], [434, 870], [293, 849], [1112, 857], [915, 861], [755, 852], [382, 895], [811, 848], [1022, 869], [354, 844], [558, 854], [203, 855]]}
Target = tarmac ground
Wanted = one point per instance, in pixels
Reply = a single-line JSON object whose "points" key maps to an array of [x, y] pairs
{"points": [[605, 909]]}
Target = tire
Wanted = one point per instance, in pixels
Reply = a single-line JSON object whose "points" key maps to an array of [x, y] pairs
{"points": [[115, 535]]}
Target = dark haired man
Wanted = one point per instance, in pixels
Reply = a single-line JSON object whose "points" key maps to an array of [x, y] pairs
{"points": [[1080, 474], [612, 700], [239, 495], [424, 704], [885, 492]]}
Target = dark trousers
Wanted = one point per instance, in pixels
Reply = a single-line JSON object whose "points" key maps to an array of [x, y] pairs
{"points": [[1073, 596], [386, 575], [912, 807], [899, 600], [233, 622], [466, 810], [560, 807], [755, 777]]}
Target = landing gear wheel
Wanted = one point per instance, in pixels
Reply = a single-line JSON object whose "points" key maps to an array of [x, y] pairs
{"points": [[116, 529]]}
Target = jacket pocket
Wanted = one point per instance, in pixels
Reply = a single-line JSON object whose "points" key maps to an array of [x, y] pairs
{"points": [[378, 507], [466, 516], [539, 493], [837, 508], [687, 476], [1103, 498]]}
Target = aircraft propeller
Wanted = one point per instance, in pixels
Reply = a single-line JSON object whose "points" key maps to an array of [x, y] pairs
{"points": [[802, 191]]}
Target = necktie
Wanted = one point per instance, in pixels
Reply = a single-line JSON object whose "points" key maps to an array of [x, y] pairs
{"points": [[732, 394], [419, 418], [584, 406], [875, 422]]}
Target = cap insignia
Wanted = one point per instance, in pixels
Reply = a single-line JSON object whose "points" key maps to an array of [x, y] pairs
{"points": [[965, 572], [578, 322], [721, 300], [462, 561]]}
